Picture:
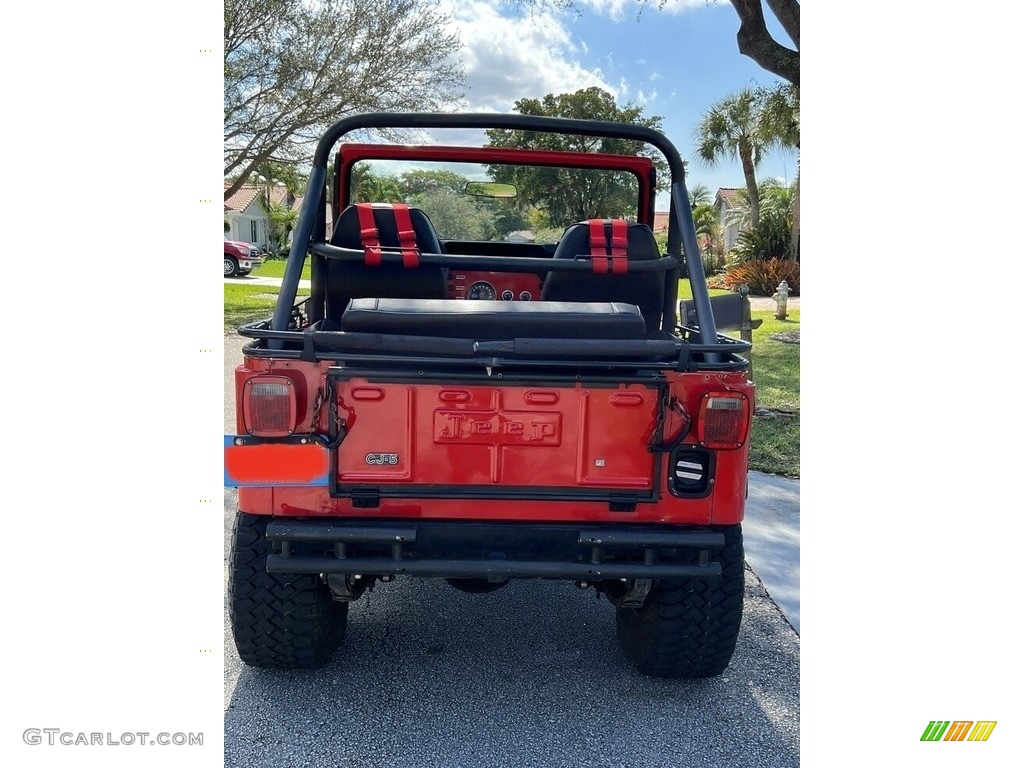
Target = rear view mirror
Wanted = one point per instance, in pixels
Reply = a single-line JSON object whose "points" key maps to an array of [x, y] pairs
{"points": [[491, 189]]}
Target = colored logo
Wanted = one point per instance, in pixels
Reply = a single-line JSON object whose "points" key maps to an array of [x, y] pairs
{"points": [[958, 730]]}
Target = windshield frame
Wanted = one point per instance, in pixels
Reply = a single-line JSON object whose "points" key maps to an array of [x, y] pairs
{"points": [[639, 166]]}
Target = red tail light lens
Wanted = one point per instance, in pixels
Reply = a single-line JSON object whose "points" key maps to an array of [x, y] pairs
{"points": [[723, 420], [269, 406]]}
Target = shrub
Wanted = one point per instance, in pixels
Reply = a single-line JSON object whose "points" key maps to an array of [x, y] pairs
{"points": [[771, 239], [763, 276]]}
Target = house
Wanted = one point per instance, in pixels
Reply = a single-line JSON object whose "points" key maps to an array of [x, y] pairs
{"points": [[725, 200], [246, 219], [660, 222]]}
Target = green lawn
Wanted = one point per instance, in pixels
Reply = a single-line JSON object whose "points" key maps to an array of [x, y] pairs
{"points": [[275, 268], [775, 441], [248, 303]]}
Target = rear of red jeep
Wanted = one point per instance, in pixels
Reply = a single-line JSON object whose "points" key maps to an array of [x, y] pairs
{"points": [[481, 409]]}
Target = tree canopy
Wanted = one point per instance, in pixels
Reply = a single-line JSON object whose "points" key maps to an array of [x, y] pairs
{"points": [[293, 67], [569, 195]]}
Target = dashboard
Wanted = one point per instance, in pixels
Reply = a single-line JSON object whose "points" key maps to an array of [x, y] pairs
{"points": [[494, 286]]}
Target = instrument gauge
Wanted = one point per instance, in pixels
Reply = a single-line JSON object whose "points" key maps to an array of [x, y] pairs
{"points": [[483, 291]]}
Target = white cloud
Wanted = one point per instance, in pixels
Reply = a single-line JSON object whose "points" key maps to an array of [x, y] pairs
{"points": [[645, 98], [507, 59], [621, 9]]}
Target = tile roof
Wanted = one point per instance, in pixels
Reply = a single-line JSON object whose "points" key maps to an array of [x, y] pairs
{"points": [[247, 194], [726, 195]]}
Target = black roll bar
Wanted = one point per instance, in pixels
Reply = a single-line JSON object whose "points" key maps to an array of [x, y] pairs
{"points": [[681, 230]]}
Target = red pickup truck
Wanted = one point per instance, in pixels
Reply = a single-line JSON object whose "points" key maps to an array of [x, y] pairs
{"points": [[463, 398], [240, 258]]}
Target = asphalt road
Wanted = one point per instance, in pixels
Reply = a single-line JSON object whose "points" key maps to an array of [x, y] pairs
{"points": [[530, 675]]}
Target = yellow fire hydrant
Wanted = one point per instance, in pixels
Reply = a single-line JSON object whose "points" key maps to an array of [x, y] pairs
{"points": [[780, 296]]}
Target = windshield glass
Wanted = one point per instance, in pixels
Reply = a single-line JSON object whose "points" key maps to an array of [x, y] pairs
{"points": [[505, 203]]}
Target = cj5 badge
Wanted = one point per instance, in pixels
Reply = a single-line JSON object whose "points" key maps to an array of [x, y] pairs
{"points": [[382, 458]]}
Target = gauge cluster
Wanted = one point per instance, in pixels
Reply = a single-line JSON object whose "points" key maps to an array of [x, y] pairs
{"points": [[494, 286]]}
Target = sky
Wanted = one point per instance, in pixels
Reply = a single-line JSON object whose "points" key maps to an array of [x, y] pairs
{"points": [[675, 62]]}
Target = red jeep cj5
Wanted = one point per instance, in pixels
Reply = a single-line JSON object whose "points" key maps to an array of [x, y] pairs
{"points": [[461, 397]]}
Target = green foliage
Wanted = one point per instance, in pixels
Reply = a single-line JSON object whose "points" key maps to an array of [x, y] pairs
{"points": [[764, 276], [422, 181], [779, 114], [775, 438], [700, 195], [282, 221], [772, 237], [456, 216], [377, 189], [570, 195], [749, 124], [729, 128]]}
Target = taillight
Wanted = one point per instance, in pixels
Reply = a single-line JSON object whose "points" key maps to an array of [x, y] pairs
{"points": [[723, 420], [269, 406]]}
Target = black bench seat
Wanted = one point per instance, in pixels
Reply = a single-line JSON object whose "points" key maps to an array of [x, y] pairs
{"points": [[494, 320]]}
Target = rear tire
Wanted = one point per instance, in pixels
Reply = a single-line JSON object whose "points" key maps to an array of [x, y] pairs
{"points": [[279, 620], [687, 628]]}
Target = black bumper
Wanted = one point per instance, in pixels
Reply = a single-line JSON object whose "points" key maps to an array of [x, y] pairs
{"points": [[456, 549]]}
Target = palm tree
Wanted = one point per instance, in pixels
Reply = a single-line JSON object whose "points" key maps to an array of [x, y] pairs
{"points": [[699, 195], [380, 189], [780, 126], [773, 197], [705, 221], [732, 127]]}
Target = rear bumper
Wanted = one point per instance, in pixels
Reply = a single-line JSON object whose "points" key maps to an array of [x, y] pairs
{"points": [[455, 549]]}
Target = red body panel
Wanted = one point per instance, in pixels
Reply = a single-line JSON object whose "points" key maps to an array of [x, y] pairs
{"points": [[509, 436]]}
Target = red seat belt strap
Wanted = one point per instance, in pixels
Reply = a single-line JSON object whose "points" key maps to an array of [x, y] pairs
{"points": [[369, 235], [406, 236], [613, 246]]}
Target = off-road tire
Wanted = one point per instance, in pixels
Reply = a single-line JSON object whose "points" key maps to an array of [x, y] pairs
{"points": [[280, 620], [687, 628]]}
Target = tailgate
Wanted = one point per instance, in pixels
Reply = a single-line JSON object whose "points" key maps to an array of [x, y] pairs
{"points": [[531, 439]]}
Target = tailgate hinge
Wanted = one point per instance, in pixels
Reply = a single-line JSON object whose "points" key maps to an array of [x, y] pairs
{"points": [[365, 498], [622, 502]]}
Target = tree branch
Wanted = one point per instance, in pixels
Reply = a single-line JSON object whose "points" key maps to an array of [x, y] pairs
{"points": [[755, 41], [788, 14]]}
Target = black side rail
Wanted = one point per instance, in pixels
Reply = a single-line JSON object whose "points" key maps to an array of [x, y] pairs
{"points": [[349, 348], [581, 263]]}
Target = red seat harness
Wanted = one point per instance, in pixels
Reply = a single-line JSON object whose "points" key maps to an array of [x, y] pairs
{"points": [[370, 235], [611, 245]]}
